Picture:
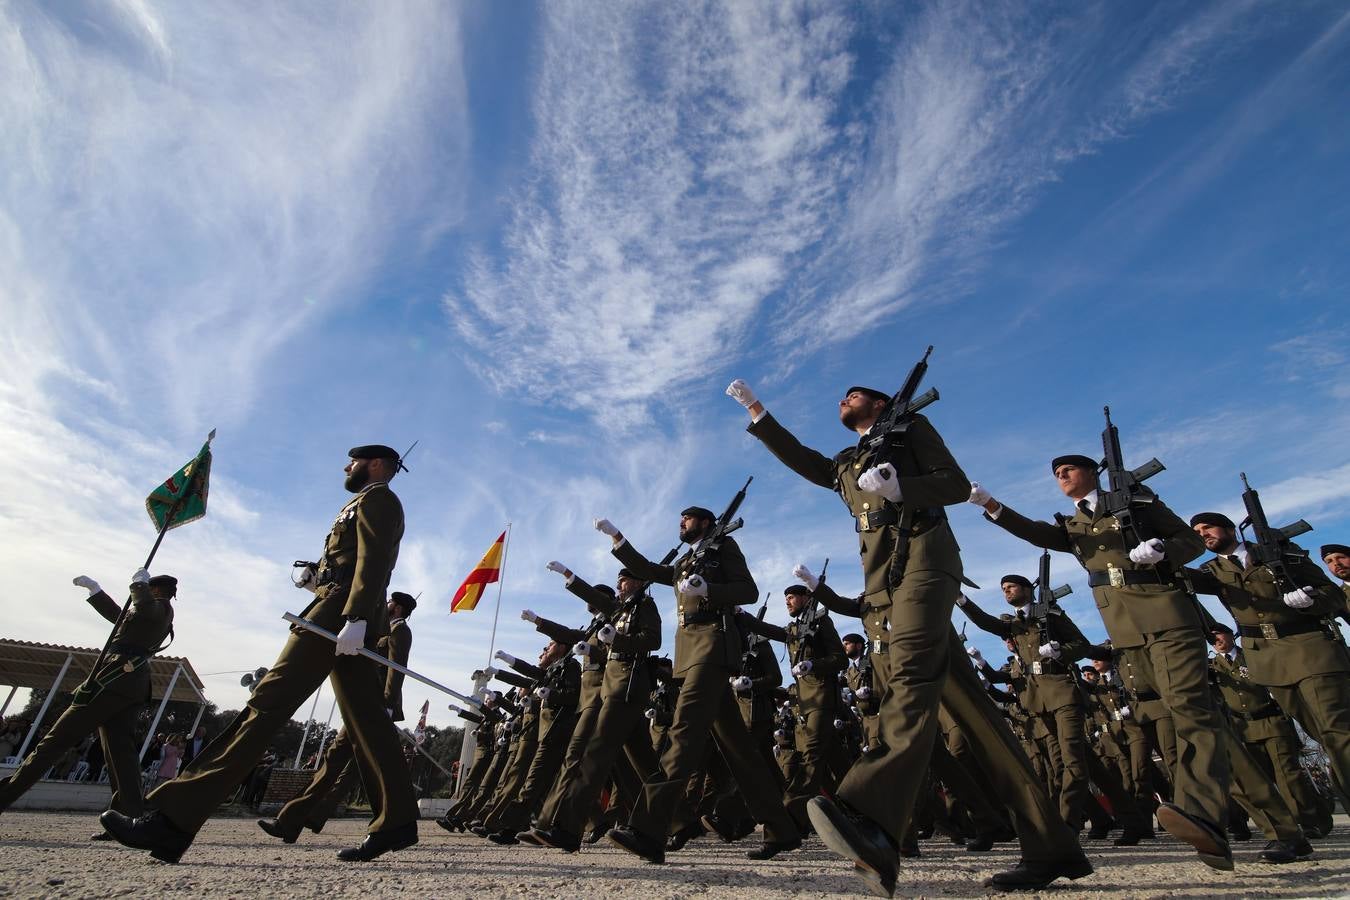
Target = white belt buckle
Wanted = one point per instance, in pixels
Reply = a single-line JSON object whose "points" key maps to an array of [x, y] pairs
{"points": [[1117, 576], [1036, 668]]}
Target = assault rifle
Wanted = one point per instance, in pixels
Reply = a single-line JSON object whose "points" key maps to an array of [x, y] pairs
{"points": [[891, 425], [1273, 548], [723, 526], [806, 629], [1125, 487]]}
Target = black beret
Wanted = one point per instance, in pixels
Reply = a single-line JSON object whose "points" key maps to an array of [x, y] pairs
{"points": [[407, 601], [1073, 459], [1017, 579], [1212, 518], [699, 512], [373, 451], [164, 581], [605, 588], [868, 392], [1086, 669], [628, 573], [799, 589], [1328, 549], [1220, 626], [853, 638]]}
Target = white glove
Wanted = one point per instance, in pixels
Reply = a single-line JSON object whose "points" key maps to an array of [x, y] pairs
{"points": [[556, 566], [802, 668], [541, 692], [606, 634], [1148, 552], [962, 599], [779, 735], [840, 724], [351, 638], [581, 648], [847, 694], [142, 576], [741, 684], [881, 480], [1124, 711], [86, 582], [651, 714], [863, 693], [1299, 599], [504, 657], [694, 586], [308, 577], [1050, 650], [529, 615], [605, 526], [740, 392], [978, 495], [803, 574], [974, 653]]}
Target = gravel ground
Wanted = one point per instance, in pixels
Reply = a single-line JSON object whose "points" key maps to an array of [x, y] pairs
{"points": [[49, 855]]}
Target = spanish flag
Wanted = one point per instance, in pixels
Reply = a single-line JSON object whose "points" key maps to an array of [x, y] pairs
{"points": [[488, 570]]}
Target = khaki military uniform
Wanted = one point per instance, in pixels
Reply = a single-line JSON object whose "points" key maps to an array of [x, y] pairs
{"points": [[338, 772], [816, 640], [707, 656], [910, 586], [858, 676], [760, 665], [358, 559], [1261, 724], [1297, 654], [1156, 625], [120, 689]]}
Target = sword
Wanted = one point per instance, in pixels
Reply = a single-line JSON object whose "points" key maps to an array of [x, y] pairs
{"points": [[375, 657], [410, 738]]}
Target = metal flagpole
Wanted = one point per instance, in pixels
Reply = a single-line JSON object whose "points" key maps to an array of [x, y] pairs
{"points": [[304, 737], [501, 581]]}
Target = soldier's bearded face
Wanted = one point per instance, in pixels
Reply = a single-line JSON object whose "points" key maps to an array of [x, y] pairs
{"points": [[795, 603], [1090, 676], [859, 409], [1016, 594], [852, 650], [1339, 564], [626, 585], [358, 473], [692, 528], [1217, 538]]}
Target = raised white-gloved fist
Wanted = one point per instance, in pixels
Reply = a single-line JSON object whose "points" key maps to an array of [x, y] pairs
{"points": [[978, 495], [581, 648], [605, 526], [1299, 599], [541, 692], [741, 683], [351, 638], [606, 634], [529, 615], [142, 576], [556, 566], [694, 586], [651, 714], [1124, 711], [881, 480], [840, 724], [87, 583], [847, 694], [802, 668], [974, 653], [504, 657], [1148, 552], [1050, 650], [863, 693], [739, 391], [962, 599], [803, 574]]}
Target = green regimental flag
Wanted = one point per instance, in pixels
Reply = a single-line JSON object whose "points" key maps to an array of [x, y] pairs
{"points": [[184, 493]]}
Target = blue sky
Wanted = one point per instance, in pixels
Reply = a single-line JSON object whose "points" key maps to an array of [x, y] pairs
{"points": [[540, 239]]}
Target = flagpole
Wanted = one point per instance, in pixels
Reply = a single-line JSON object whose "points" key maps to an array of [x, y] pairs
{"points": [[501, 581]]}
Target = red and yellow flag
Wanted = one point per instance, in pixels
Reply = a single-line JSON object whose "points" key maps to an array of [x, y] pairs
{"points": [[488, 570]]}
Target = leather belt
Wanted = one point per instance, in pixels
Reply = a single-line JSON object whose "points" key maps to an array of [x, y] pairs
{"points": [[128, 649], [873, 519], [878, 646], [1143, 696], [1114, 577], [1048, 667], [626, 657], [700, 617], [330, 574], [1268, 713], [1271, 631]]}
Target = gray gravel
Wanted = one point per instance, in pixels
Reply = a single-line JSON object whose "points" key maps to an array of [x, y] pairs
{"points": [[49, 855]]}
